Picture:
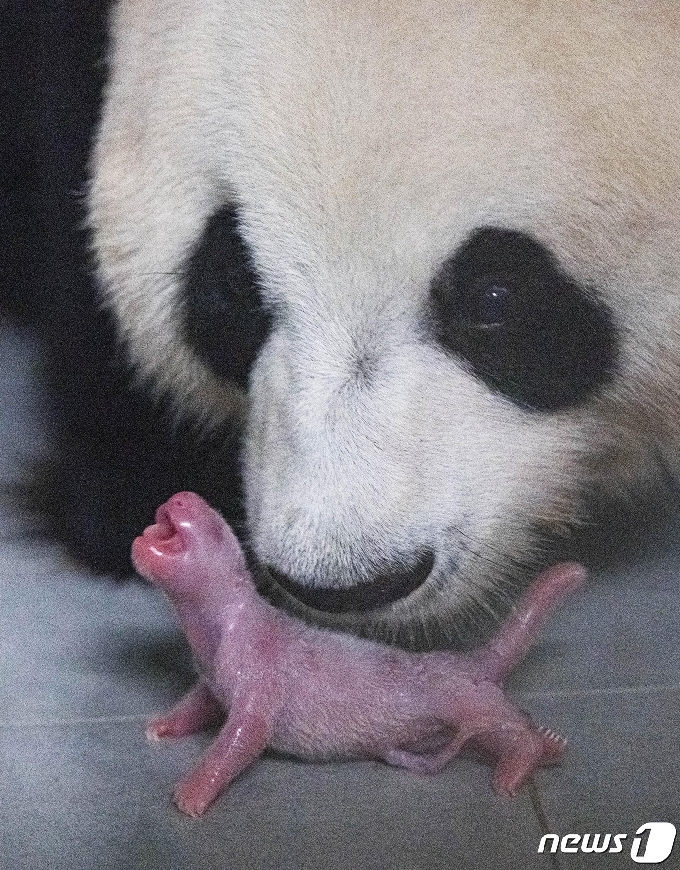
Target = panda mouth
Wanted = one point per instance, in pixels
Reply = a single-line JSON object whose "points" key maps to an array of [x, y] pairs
{"points": [[363, 597]]}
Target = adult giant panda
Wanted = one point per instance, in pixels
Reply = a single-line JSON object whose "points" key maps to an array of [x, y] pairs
{"points": [[420, 259]]}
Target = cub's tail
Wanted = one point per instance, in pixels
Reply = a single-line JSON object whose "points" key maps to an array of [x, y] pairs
{"points": [[510, 644]]}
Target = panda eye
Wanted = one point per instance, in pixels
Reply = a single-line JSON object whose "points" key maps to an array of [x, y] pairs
{"points": [[492, 303], [504, 306], [224, 320]]}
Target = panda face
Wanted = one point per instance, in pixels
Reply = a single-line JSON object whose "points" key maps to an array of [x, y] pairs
{"points": [[392, 446], [460, 220]]}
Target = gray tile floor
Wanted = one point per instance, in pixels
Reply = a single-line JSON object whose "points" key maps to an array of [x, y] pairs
{"points": [[83, 661]]}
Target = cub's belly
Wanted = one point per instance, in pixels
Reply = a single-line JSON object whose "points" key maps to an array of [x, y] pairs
{"points": [[354, 725]]}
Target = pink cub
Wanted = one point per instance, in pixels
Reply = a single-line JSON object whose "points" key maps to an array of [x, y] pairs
{"points": [[319, 694]]}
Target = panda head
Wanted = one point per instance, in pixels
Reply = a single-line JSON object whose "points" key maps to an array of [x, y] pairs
{"points": [[460, 222]]}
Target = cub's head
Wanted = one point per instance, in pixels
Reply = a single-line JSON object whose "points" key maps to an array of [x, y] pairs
{"points": [[445, 236]]}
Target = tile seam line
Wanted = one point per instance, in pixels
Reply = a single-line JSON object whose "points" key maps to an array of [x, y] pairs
{"points": [[140, 717], [84, 720], [608, 691]]}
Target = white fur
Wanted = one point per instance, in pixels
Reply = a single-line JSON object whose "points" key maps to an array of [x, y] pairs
{"points": [[362, 143]]}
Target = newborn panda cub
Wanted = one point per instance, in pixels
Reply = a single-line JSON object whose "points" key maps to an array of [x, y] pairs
{"points": [[323, 695]]}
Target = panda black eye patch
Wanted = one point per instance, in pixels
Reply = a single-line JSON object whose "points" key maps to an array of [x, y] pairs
{"points": [[223, 317], [503, 304]]}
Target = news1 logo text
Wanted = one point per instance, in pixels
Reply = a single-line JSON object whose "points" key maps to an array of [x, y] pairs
{"points": [[652, 843]]}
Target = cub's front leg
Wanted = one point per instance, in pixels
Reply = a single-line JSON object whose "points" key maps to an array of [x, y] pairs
{"points": [[243, 738], [195, 711]]}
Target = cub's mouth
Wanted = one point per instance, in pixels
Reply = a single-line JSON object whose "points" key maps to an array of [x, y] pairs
{"points": [[159, 545], [164, 535]]}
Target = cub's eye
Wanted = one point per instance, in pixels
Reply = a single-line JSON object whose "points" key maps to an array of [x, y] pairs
{"points": [[505, 307], [492, 303]]}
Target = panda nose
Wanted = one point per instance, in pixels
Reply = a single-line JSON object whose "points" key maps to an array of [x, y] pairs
{"points": [[385, 588]]}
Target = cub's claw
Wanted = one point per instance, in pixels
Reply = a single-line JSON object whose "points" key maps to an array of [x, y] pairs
{"points": [[552, 736]]}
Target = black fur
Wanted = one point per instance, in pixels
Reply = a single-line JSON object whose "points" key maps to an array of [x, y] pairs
{"points": [[504, 305], [115, 453], [391, 585], [223, 316]]}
